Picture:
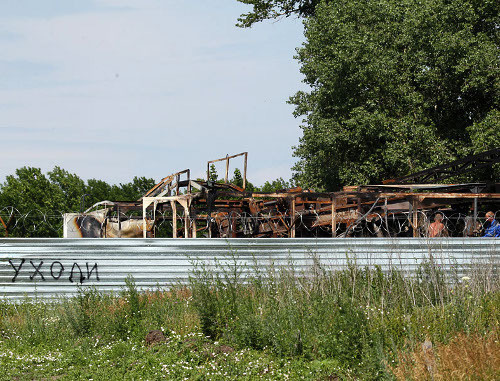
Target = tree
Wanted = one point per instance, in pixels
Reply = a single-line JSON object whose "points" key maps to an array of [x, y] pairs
{"points": [[275, 185], [396, 87], [273, 9], [97, 190], [133, 190], [237, 178], [37, 203], [71, 187], [212, 175], [29, 189]]}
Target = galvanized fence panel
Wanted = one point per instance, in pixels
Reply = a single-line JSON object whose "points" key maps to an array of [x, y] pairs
{"points": [[50, 268]]}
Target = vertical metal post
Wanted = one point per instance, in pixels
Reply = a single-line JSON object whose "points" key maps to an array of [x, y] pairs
{"points": [[385, 217], [227, 169], [144, 224], [232, 221], [245, 171], [174, 219], [475, 190], [193, 227], [414, 207], [104, 234], [155, 205], [119, 221], [334, 217], [186, 222], [292, 221]]}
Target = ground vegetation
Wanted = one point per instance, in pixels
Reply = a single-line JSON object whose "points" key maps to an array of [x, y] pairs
{"points": [[280, 324]]}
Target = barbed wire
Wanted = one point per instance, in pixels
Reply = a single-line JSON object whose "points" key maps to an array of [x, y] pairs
{"points": [[308, 223]]}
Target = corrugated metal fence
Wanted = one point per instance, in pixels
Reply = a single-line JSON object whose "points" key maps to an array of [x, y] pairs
{"points": [[48, 268]]}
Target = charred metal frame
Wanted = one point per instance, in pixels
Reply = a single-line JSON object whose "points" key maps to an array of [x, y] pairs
{"points": [[226, 159], [226, 210]]}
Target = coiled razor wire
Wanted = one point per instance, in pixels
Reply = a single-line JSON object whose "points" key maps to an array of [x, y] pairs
{"points": [[36, 223]]}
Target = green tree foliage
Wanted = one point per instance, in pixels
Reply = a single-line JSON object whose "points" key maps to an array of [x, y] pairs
{"points": [[269, 186], [237, 178], [133, 190], [396, 87], [274, 9], [213, 176], [275, 185], [98, 190], [71, 188], [41, 199], [485, 134], [30, 192], [28, 189]]}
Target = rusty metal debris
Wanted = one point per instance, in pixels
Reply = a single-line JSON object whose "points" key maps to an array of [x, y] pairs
{"points": [[179, 206], [8, 222], [4, 226]]}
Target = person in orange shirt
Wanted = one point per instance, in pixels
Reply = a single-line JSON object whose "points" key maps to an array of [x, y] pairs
{"points": [[437, 228]]}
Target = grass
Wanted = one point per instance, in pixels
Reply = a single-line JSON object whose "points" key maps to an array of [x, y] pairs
{"points": [[323, 325], [465, 357]]}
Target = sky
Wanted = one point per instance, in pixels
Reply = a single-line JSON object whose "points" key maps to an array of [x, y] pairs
{"points": [[112, 89]]}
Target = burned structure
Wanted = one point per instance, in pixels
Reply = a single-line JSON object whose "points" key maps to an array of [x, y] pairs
{"points": [[179, 206]]}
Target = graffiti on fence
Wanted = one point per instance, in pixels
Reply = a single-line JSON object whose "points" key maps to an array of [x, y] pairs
{"points": [[38, 270]]}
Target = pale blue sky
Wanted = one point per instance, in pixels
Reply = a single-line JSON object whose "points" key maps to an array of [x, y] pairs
{"points": [[112, 89]]}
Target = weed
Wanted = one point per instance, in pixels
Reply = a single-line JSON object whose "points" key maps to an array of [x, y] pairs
{"points": [[465, 357], [357, 323], [359, 317]]}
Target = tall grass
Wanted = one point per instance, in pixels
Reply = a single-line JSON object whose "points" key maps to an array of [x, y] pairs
{"points": [[127, 316], [368, 322], [361, 318], [465, 357]]}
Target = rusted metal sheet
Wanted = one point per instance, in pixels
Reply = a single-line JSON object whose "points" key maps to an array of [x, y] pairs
{"points": [[53, 268]]}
